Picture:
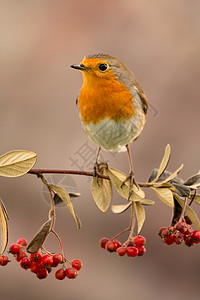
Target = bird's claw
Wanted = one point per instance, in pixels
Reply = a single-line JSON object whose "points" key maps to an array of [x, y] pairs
{"points": [[98, 167], [131, 178]]}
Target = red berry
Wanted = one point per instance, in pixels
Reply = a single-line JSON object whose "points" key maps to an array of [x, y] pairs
{"points": [[47, 260], [21, 254], [117, 244], [189, 241], [165, 233], [132, 251], [14, 248], [196, 236], [161, 230], [170, 240], [25, 263], [71, 273], [103, 242], [110, 246], [139, 241], [179, 238], [35, 267], [57, 258], [130, 242], [121, 251], [42, 273], [60, 274], [3, 260], [141, 250], [22, 242], [76, 264], [182, 227], [36, 257]]}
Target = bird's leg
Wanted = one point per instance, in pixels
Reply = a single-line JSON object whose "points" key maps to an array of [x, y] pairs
{"points": [[131, 173], [96, 165]]}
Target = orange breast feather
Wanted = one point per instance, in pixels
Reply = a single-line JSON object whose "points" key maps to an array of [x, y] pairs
{"points": [[102, 98]]}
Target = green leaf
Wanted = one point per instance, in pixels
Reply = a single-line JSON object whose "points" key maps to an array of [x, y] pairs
{"points": [[173, 175], [147, 202], [39, 238], [118, 209], [16, 163], [177, 210], [4, 227], [140, 215], [190, 213], [102, 191], [62, 193], [117, 178], [164, 162], [182, 190], [165, 195], [193, 179]]}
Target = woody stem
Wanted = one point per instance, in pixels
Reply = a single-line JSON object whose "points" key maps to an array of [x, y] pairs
{"points": [[132, 222], [183, 210]]}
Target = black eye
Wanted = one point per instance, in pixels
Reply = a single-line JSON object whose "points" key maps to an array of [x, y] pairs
{"points": [[103, 67]]}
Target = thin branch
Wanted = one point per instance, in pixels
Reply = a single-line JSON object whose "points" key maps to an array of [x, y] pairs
{"points": [[38, 172]]}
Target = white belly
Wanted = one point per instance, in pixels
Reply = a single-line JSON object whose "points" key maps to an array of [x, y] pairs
{"points": [[114, 136]]}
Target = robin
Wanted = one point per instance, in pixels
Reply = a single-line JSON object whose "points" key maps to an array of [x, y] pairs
{"points": [[112, 105]]}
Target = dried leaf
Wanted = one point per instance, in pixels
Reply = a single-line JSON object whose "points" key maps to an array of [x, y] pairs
{"points": [[190, 213], [193, 179], [58, 200], [118, 209], [164, 162], [62, 193], [117, 178], [39, 238], [140, 215], [4, 226], [165, 195], [182, 190], [102, 191], [16, 163], [147, 202], [173, 175]]}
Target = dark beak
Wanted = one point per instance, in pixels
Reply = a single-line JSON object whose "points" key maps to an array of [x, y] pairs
{"points": [[80, 67]]}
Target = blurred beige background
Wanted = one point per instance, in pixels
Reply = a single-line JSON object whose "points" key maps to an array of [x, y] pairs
{"points": [[160, 42]]}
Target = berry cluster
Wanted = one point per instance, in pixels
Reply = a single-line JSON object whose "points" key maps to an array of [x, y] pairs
{"points": [[132, 247], [179, 234], [42, 264]]}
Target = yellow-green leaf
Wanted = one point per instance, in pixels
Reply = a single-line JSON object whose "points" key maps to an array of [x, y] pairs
{"points": [[4, 227], [117, 178], [102, 191], [190, 213], [165, 195], [164, 162], [140, 215], [62, 193], [118, 209], [147, 202], [16, 163], [173, 175], [196, 199], [39, 238]]}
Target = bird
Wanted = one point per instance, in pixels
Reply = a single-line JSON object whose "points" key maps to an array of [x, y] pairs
{"points": [[112, 105]]}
